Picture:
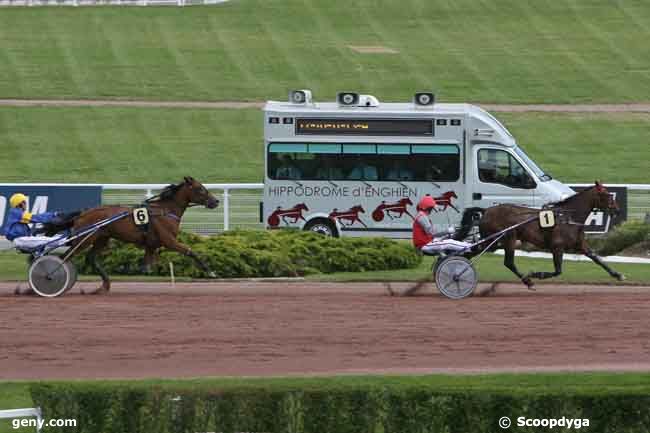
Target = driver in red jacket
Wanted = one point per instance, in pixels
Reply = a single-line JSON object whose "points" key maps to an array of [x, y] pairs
{"points": [[424, 237]]}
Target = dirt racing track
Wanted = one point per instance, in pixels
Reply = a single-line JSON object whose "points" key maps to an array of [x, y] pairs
{"points": [[305, 328]]}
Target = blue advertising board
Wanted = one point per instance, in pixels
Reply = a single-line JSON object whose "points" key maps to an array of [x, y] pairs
{"points": [[51, 198]]}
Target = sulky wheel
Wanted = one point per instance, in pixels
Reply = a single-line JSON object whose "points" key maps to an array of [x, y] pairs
{"points": [[455, 277], [72, 270], [434, 266], [49, 276]]}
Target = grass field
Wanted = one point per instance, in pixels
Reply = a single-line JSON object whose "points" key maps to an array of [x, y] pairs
{"points": [[14, 395], [131, 145], [499, 51], [114, 145], [13, 267], [490, 268]]}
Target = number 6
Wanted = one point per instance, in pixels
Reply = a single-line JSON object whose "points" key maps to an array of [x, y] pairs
{"points": [[140, 216]]}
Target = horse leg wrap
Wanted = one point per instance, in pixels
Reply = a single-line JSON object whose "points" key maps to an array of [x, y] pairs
{"points": [[543, 275]]}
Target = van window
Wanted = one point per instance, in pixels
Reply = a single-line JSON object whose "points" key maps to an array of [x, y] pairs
{"points": [[364, 162], [499, 166], [532, 165]]}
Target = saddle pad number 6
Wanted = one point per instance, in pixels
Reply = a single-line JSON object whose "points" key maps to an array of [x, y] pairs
{"points": [[546, 219], [140, 216]]}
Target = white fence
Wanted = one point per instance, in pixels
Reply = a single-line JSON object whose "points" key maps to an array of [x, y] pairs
{"points": [[239, 205], [31, 412], [238, 200], [109, 2], [638, 198]]}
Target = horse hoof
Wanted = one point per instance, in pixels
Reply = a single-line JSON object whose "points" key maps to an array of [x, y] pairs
{"points": [[28, 292], [99, 291], [620, 277], [414, 289]]}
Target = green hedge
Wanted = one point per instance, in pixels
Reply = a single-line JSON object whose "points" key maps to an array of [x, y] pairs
{"points": [[257, 253], [335, 408], [622, 237]]}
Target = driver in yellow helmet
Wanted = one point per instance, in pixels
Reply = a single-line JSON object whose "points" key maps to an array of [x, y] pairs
{"points": [[17, 228]]}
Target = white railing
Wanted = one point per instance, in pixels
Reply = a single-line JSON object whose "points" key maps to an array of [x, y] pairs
{"points": [[109, 2], [638, 198], [225, 196], [243, 213], [240, 202], [246, 197], [31, 412], [632, 186]]}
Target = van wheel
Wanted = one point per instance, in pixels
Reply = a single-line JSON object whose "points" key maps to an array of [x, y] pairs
{"points": [[323, 227]]}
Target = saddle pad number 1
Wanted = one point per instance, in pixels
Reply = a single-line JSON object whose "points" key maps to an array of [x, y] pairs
{"points": [[140, 216], [546, 219]]}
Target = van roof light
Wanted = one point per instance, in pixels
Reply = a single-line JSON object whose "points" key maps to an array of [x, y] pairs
{"points": [[300, 96], [424, 99], [368, 101]]}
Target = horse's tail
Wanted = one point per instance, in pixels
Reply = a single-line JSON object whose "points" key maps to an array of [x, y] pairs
{"points": [[64, 221], [470, 219]]}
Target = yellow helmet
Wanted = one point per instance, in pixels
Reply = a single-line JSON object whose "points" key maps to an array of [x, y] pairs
{"points": [[17, 199]]}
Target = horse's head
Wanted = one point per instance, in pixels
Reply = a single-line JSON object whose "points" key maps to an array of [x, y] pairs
{"points": [[198, 194], [406, 201], [301, 206], [452, 194], [603, 199], [358, 208]]}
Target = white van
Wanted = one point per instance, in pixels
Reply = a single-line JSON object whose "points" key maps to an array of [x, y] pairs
{"points": [[357, 167]]}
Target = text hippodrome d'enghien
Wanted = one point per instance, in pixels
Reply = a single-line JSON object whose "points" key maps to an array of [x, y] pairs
{"points": [[341, 191]]}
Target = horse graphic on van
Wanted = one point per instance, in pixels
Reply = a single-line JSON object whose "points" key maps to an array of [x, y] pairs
{"points": [[392, 210], [348, 217], [294, 213], [445, 201]]}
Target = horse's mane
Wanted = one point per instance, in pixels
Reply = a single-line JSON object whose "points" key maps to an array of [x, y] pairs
{"points": [[167, 193]]}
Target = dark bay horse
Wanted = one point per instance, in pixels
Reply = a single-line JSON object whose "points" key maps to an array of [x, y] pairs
{"points": [[165, 212], [567, 235]]}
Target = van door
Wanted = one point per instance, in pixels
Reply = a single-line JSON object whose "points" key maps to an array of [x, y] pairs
{"points": [[500, 177]]}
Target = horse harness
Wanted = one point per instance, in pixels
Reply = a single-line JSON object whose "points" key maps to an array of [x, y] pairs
{"points": [[563, 216], [143, 216]]}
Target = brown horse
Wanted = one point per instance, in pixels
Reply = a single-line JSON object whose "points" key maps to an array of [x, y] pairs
{"points": [[165, 212], [567, 235]]}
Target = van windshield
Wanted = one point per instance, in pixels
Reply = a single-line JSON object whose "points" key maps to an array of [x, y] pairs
{"points": [[531, 164]]}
